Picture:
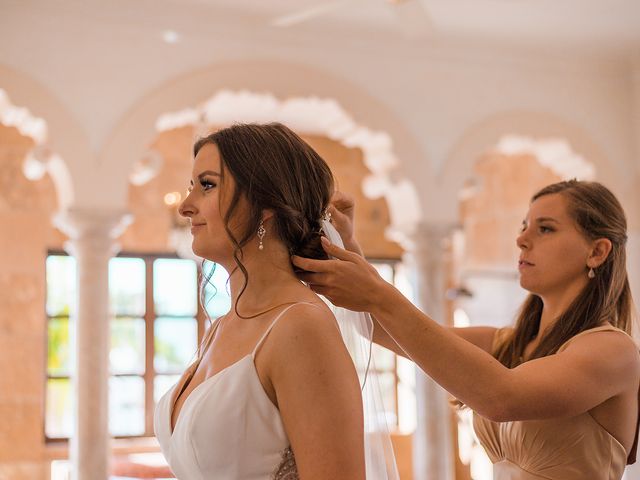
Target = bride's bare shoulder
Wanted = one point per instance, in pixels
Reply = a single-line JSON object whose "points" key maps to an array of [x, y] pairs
{"points": [[306, 333], [304, 320]]}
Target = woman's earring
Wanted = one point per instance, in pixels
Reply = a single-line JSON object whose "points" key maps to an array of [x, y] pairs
{"points": [[261, 233], [591, 273]]}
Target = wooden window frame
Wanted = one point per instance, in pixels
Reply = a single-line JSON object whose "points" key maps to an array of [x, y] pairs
{"points": [[149, 318]]}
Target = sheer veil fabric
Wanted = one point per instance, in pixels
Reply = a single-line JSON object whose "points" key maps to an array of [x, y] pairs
{"points": [[357, 333]]}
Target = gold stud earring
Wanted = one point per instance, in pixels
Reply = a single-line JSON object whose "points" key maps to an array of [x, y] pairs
{"points": [[261, 233]]}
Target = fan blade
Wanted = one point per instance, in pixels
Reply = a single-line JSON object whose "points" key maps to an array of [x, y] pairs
{"points": [[413, 18], [309, 13]]}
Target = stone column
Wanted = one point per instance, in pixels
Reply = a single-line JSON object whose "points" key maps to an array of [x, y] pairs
{"points": [[433, 456], [92, 236]]}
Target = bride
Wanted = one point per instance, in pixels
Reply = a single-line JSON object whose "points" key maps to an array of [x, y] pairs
{"points": [[273, 393]]}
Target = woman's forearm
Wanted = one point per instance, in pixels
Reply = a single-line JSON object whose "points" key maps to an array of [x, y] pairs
{"points": [[466, 371], [382, 338]]}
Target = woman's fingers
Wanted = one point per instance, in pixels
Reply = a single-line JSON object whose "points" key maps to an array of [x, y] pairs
{"points": [[313, 265], [310, 264], [310, 278], [343, 202], [337, 252], [348, 280], [319, 290], [342, 209]]}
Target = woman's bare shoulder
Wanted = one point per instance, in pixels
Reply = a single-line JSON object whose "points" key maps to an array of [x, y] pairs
{"points": [[613, 351]]}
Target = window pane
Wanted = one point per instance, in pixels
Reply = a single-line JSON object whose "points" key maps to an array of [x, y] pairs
{"points": [[58, 421], [61, 284], [161, 384], [388, 387], [383, 359], [175, 289], [407, 372], [126, 406], [407, 408], [127, 286], [403, 282], [127, 346], [217, 299], [58, 347], [176, 341]]}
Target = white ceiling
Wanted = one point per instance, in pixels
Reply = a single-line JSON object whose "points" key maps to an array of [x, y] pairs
{"points": [[599, 24], [607, 25], [113, 49]]}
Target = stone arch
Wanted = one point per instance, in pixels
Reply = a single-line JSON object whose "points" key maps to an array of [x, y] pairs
{"points": [[486, 135], [50, 125], [137, 130]]}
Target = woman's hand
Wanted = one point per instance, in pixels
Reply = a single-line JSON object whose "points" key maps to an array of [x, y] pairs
{"points": [[342, 210], [347, 281]]}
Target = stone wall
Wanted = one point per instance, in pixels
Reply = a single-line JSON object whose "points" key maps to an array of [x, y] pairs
{"points": [[26, 232]]}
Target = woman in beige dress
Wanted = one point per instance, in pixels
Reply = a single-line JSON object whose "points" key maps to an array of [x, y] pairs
{"points": [[556, 397]]}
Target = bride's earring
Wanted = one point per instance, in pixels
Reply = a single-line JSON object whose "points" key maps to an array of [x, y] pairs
{"points": [[591, 273], [261, 233]]}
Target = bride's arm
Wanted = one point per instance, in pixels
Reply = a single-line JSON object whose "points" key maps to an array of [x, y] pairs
{"points": [[318, 394]]}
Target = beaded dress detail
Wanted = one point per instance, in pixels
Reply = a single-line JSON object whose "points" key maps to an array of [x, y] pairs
{"points": [[287, 470]]}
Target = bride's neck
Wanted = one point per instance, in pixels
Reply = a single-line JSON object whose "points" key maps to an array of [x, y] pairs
{"points": [[269, 273]]}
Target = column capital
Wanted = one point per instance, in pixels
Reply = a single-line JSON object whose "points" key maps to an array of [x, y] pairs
{"points": [[92, 226], [428, 238], [77, 223]]}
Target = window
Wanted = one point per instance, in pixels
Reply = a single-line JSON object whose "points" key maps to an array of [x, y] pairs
{"points": [[156, 324], [396, 374]]}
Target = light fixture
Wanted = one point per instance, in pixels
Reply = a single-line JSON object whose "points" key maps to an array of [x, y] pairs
{"points": [[172, 200], [171, 37]]}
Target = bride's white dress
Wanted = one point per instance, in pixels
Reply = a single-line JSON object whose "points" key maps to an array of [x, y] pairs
{"points": [[227, 429]]}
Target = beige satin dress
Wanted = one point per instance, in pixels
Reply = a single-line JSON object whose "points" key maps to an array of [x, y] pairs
{"points": [[576, 448]]}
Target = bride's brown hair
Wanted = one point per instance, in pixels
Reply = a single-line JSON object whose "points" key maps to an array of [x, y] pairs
{"points": [[273, 169]]}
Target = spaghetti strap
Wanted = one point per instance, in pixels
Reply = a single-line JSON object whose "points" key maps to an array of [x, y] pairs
{"points": [[266, 333], [602, 328]]}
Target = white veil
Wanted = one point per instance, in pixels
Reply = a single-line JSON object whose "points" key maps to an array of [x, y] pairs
{"points": [[357, 333]]}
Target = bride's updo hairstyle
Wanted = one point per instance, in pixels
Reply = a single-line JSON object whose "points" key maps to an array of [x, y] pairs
{"points": [[274, 169]]}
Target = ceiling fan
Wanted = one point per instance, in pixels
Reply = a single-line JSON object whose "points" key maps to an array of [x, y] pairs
{"points": [[412, 16]]}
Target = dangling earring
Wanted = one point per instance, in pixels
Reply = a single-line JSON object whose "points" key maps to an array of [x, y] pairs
{"points": [[261, 233], [591, 273]]}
